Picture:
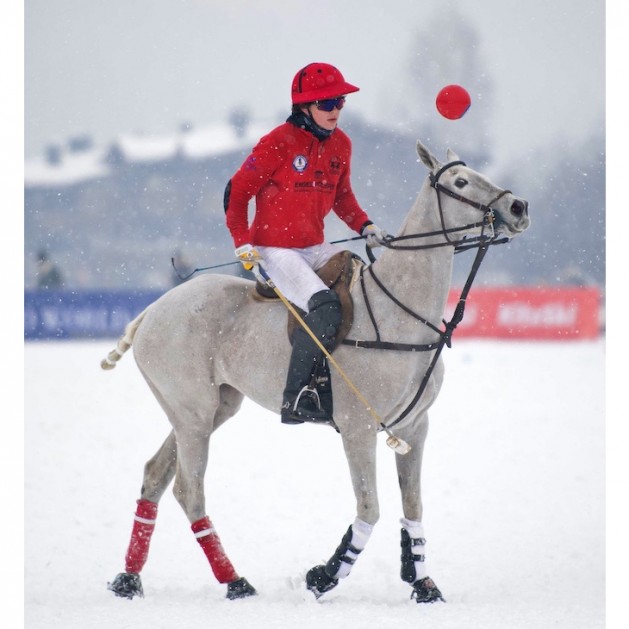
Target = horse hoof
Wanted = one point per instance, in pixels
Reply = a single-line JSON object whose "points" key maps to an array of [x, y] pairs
{"points": [[241, 588], [319, 582], [425, 591], [126, 585]]}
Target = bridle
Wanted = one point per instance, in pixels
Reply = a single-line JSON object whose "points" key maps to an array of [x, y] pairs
{"points": [[482, 243], [489, 216], [487, 222]]}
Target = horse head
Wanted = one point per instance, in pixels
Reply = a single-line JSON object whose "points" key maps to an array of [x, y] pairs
{"points": [[467, 198]]}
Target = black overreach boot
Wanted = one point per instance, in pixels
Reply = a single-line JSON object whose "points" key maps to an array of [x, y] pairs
{"points": [[301, 403]]}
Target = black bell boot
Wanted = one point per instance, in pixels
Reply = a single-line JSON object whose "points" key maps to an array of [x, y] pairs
{"points": [[301, 402]]}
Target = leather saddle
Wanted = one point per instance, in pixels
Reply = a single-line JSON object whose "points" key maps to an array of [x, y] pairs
{"points": [[337, 274]]}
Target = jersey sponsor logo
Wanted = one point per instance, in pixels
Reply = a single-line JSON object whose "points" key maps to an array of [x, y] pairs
{"points": [[300, 163], [320, 186]]}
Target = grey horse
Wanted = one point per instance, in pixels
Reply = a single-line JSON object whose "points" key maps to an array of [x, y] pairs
{"points": [[191, 344]]}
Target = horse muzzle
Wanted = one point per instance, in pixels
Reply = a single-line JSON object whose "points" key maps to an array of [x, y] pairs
{"points": [[514, 220]]}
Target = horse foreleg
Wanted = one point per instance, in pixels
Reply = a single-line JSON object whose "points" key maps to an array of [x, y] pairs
{"points": [[413, 542], [158, 472], [361, 454]]}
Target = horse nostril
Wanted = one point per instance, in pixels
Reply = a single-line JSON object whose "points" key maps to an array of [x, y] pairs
{"points": [[518, 208]]}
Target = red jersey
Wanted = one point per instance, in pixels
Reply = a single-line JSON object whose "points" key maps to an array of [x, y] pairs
{"points": [[296, 180]]}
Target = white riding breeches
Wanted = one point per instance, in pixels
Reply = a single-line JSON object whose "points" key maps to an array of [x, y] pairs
{"points": [[293, 270]]}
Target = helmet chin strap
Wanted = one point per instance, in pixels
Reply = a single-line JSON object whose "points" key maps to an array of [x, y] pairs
{"points": [[304, 119], [319, 129]]}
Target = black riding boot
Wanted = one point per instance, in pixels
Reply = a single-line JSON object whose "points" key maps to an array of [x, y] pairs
{"points": [[300, 402]]}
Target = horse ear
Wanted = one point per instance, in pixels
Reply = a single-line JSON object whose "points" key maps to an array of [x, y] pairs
{"points": [[429, 160], [452, 156]]}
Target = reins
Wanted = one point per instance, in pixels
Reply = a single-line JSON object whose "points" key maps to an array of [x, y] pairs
{"points": [[446, 335], [482, 243]]}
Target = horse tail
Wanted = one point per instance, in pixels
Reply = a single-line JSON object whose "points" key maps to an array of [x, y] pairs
{"points": [[124, 342]]}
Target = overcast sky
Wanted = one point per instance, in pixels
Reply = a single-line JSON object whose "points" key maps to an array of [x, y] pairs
{"points": [[108, 67]]}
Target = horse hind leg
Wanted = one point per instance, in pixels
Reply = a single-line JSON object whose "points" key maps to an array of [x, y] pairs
{"points": [[189, 492], [158, 473]]}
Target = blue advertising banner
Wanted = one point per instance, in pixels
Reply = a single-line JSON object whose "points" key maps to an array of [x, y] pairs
{"points": [[80, 315]]}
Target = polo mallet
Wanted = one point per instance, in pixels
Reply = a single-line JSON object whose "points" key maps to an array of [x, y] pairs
{"points": [[395, 443]]}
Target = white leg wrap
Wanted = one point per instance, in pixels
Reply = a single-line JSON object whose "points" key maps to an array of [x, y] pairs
{"points": [[418, 546]]}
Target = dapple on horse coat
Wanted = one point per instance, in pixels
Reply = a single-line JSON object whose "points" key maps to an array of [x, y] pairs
{"points": [[195, 344]]}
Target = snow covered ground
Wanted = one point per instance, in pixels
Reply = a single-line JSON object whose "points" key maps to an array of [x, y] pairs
{"points": [[514, 495]]}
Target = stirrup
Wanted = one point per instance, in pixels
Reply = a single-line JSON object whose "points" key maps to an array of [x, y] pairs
{"points": [[293, 413], [313, 392]]}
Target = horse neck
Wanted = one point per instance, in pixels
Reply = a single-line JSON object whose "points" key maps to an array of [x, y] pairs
{"points": [[420, 279], [424, 217]]}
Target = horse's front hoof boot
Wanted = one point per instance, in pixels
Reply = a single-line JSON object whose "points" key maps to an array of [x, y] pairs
{"points": [[319, 582], [425, 591], [241, 588], [126, 585]]}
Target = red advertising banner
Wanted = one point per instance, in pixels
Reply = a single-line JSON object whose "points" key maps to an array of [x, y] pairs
{"points": [[529, 313], [493, 313]]}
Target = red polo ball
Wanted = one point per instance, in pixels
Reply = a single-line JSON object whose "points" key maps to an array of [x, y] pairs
{"points": [[453, 101]]}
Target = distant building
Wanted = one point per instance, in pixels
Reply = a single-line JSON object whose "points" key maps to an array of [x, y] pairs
{"points": [[114, 214]]}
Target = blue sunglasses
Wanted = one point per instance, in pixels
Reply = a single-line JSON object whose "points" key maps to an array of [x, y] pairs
{"points": [[330, 103]]}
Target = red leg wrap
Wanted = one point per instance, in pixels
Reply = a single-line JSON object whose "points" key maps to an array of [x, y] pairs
{"points": [[143, 526], [211, 545]]}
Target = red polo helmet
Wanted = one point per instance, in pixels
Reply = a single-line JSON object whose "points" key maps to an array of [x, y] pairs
{"points": [[318, 81]]}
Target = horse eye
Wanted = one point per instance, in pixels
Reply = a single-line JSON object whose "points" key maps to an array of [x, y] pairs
{"points": [[460, 183]]}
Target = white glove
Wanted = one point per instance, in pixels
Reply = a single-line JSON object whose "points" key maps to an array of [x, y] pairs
{"points": [[248, 256], [374, 235]]}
